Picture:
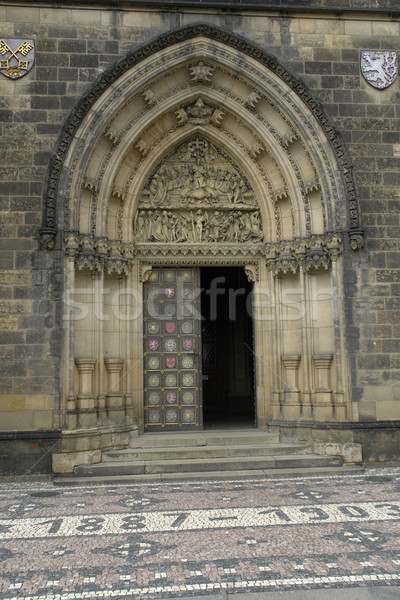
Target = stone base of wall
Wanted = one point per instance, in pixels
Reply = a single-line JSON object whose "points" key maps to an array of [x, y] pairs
{"points": [[369, 442], [380, 442], [27, 453], [84, 446]]}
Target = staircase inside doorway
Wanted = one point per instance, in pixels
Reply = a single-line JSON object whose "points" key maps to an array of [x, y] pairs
{"points": [[210, 454]]}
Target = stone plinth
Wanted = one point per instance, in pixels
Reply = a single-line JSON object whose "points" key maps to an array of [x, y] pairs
{"points": [[114, 397], [323, 406], [86, 409], [291, 403]]}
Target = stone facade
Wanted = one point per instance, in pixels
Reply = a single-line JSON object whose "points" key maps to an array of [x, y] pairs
{"points": [[308, 153]]}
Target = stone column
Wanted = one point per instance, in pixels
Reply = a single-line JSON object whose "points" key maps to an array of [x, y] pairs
{"points": [[323, 407], [306, 344], [140, 275], [274, 286], [98, 333], [340, 398], [67, 380], [86, 401], [131, 311], [114, 397], [291, 394]]}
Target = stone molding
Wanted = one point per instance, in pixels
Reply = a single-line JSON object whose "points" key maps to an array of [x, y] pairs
{"points": [[286, 257], [98, 254], [47, 233]]}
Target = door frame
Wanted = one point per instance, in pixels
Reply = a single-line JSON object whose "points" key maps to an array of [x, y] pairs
{"points": [[255, 271]]}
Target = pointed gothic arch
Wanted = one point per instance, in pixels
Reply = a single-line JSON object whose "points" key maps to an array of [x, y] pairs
{"points": [[289, 197], [279, 126]]}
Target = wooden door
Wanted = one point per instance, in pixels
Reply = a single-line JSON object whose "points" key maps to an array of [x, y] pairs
{"points": [[172, 350]]}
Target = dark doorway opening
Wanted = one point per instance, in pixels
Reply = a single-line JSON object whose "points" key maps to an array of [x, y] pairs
{"points": [[227, 348]]}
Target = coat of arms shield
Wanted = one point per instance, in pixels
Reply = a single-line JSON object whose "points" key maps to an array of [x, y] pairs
{"points": [[170, 327], [171, 397], [187, 344], [379, 68], [16, 57], [153, 345]]}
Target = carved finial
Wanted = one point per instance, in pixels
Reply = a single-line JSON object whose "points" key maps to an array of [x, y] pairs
{"points": [[102, 246], [253, 98], [71, 243], [256, 149], [201, 73], [118, 191], [141, 146], [87, 242], [90, 184], [217, 117], [288, 138], [149, 97], [280, 194], [127, 251], [301, 247], [114, 247], [311, 186], [181, 116], [271, 251], [200, 112], [113, 135], [334, 245]]}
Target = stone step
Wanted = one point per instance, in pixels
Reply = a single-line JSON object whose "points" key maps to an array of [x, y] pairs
{"points": [[232, 464], [204, 438], [61, 480], [203, 452]]}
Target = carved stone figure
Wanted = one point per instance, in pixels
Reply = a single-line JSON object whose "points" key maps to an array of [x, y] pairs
{"points": [[197, 195], [199, 221]]}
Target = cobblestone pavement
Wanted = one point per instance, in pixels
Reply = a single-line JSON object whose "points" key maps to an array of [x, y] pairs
{"points": [[164, 540]]}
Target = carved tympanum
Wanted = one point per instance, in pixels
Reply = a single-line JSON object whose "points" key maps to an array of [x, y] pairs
{"points": [[197, 195]]}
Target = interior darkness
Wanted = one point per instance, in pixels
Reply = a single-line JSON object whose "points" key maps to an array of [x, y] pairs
{"points": [[227, 348]]}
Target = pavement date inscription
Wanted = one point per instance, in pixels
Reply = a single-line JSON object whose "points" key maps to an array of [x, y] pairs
{"points": [[116, 523]]}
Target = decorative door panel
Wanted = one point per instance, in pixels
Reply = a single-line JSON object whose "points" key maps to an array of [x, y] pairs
{"points": [[172, 350]]}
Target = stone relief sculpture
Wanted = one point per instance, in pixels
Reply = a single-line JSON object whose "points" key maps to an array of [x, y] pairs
{"points": [[197, 195]]}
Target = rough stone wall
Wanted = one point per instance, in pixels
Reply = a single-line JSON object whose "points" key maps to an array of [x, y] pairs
{"points": [[73, 47]]}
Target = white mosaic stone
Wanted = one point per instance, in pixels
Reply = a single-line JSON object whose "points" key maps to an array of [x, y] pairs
{"points": [[87, 525]]}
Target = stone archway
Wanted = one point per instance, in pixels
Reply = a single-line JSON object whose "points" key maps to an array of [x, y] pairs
{"points": [[239, 166]]}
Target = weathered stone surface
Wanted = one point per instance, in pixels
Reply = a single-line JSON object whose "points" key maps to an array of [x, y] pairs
{"points": [[65, 463], [351, 453], [75, 46]]}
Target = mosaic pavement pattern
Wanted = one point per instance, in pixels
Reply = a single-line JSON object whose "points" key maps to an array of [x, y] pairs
{"points": [[164, 540]]}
